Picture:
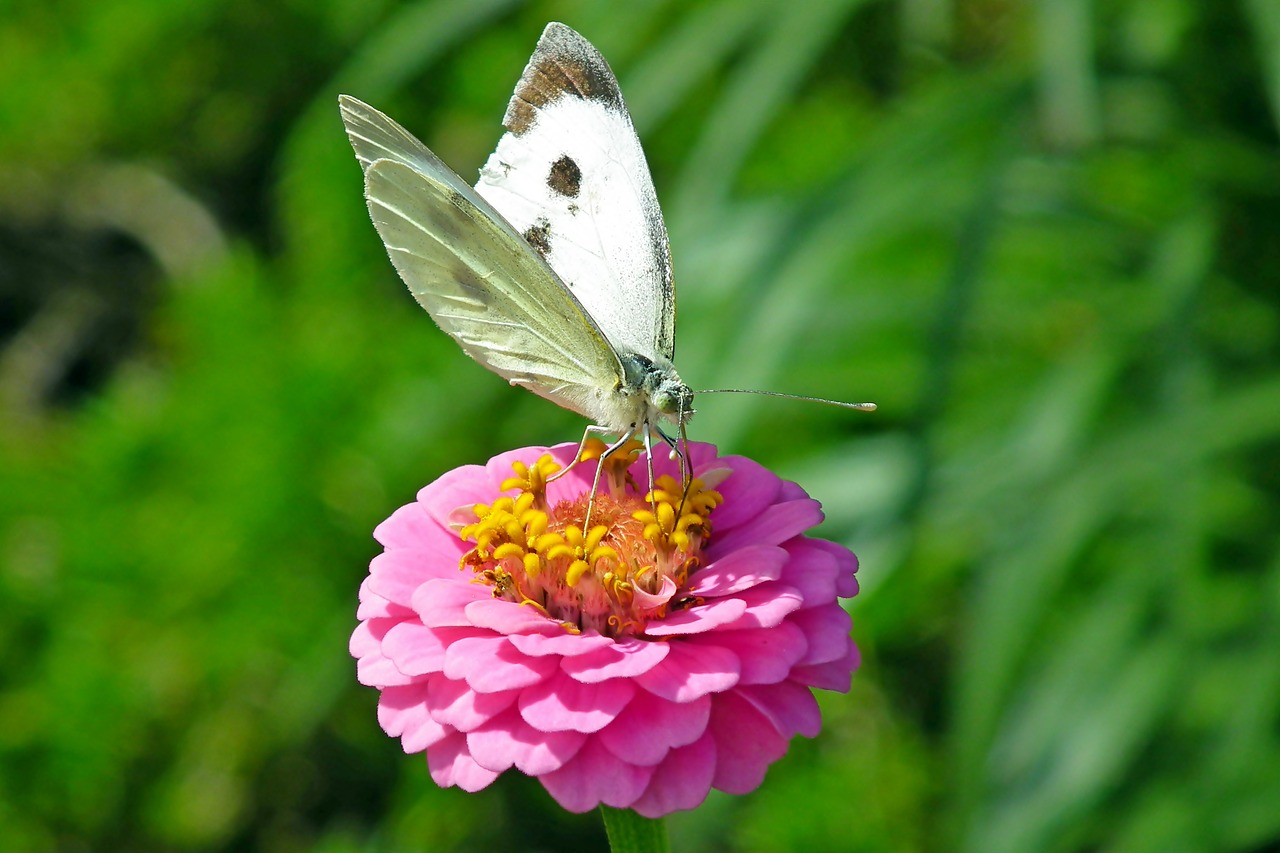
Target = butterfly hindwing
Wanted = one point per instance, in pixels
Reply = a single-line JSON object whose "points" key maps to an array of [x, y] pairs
{"points": [[569, 175]]}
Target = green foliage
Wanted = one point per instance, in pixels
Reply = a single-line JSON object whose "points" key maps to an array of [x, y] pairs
{"points": [[1043, 237]]}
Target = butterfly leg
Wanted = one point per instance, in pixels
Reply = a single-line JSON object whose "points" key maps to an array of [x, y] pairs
{"points": [[595, 482], [577, 455], [686, 466], [681, 452], [648, 458], [676, 453]]}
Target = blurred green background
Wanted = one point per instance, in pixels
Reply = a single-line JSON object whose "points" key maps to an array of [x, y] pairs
{"points": [[1043, 236]]}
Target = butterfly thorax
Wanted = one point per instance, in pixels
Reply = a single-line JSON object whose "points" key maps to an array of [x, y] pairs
{"points": [[657, 389]]}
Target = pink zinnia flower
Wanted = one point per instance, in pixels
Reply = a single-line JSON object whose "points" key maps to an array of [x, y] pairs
{"points": [[638, 665]]}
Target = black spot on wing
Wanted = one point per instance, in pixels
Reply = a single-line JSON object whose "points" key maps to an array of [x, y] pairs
{"points": [[538, 236], [565, 177]]}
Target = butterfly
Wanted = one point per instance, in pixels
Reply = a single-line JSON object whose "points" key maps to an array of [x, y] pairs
{"points": [[554, 271]]}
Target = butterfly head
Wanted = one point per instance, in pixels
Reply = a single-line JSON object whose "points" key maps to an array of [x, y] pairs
{"points": [[660, 386], [672, 397]]}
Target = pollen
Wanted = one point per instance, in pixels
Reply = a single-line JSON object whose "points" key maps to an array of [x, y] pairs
{"points": [[632, 564]]}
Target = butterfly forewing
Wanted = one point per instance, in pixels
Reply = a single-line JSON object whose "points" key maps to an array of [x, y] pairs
{"points": [[477, 278], [376, 136], [571, 178]]}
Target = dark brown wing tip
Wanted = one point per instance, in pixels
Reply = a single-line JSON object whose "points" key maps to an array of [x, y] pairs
{"points": [[564, 64], [559, 39]]}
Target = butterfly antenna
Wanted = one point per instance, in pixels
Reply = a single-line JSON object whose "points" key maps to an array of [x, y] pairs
{"points": [[862, 407]]}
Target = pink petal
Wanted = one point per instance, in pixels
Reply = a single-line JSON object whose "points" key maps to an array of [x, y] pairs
{"points": [[402, 713], [417, 650], [507, 741], [812, 571], [791, 492], [374, 606], [827, 629], [700, 454], [836, 675], [620, 659], [775, 526], [436, 554], [422, 734], [454, 704], [766, 656], [377, 671], [397, 707], [499, 468], [564, 643], [373, 667], [703, 456], [596, 776], [746, 744], [442, 603], [680, 782], [747, 493], [406, 527], [648, 602], [451, 764], [649, 727], [767, 606], [789, 706], [739, 570], [367, 637], [847, 562], [508, 617], [688, 673], [561, 704], [490, 664], [396, 575], [698, 619], [465, 486]]}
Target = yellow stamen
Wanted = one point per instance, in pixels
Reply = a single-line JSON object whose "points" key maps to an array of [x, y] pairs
{"points": [[531, 553]]}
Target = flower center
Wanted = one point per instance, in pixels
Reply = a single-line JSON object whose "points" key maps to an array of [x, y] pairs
{"points": [[631, 566]]}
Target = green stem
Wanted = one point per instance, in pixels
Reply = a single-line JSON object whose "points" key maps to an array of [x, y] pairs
{"points": [[631, 833]]}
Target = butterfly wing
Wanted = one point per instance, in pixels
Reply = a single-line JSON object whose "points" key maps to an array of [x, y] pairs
{"points": [[475, 275], [570, 176]]}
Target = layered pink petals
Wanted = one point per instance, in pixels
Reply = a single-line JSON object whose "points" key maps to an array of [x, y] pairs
{"points": [[708, 695]]}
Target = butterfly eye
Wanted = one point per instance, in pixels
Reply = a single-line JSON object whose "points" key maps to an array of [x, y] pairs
{"points": [[673, 397]]}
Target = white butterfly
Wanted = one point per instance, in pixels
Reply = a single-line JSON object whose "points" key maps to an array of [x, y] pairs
{"points": [[555, 271]]}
